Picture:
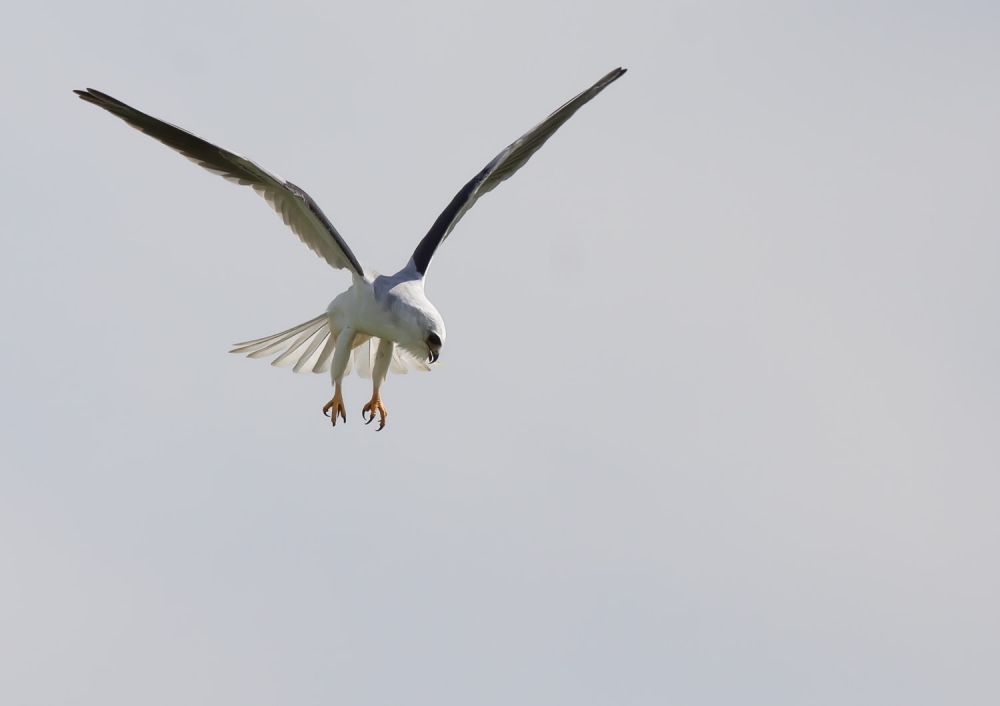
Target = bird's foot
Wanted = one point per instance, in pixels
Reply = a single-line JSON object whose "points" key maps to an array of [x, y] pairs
{"points": [[370, 408], [337, 405]]}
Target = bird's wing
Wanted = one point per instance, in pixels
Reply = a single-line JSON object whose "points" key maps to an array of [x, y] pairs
{"points": [[295, 206], [502, 167]]}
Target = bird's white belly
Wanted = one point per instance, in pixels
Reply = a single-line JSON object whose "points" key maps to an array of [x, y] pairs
{"points": [[357, 309]]}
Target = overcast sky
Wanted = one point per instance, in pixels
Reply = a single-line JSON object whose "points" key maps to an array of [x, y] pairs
{"points": [[718, 419]]}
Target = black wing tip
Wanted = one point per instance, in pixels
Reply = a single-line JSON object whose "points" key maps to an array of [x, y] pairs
{"points": [[614, 75], [608, 79], [87, 95], [92, 95]]}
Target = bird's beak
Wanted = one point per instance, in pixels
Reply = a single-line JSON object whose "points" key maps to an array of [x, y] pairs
{"points": [[433, 356]]}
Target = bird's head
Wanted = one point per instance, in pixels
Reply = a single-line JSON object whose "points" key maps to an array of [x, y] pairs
{"points": [[422, 331], [431, 327], [434, 342]]}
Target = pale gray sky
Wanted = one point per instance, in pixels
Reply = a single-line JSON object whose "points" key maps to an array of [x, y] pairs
{"points": [[717, 421]]}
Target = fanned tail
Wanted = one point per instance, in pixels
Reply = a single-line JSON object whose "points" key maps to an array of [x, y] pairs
{"points": [[309, 348]]}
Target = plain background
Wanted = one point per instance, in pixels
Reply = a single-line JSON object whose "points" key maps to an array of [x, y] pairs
{"points": [[717, 420]]}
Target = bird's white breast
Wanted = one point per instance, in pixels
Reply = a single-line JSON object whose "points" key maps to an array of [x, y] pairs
{"points": [[396, 312]]}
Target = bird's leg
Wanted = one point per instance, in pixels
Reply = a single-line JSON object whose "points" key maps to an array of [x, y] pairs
{"points": [[338, 366], [336, 404], [371, 407], [383, 356]]}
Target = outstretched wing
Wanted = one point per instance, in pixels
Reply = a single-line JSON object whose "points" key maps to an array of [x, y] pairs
{"points": [[502, 167], [295, 206]]}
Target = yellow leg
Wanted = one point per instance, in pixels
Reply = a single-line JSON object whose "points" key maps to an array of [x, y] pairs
{"points": [[337, 405], [373, 406]]}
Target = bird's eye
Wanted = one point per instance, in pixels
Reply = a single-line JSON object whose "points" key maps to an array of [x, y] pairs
{"points": [[434, 340]]}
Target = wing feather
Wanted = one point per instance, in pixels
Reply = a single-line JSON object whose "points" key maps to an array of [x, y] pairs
{"points": [[296, 208], [502, 167]]}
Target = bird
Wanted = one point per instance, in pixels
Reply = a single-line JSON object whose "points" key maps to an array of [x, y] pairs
{"points": [[381, 323]]}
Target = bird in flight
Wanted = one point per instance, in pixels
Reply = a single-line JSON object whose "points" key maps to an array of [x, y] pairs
{"points": [[381, 323]]}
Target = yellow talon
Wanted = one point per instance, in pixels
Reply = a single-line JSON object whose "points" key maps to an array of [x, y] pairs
{"points": [[337, 405], [373, 406]]}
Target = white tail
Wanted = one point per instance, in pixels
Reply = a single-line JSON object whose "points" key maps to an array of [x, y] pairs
{"points": [[309, 347]]}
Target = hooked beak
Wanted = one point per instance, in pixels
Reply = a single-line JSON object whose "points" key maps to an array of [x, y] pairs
{"points": [[433, 356]]}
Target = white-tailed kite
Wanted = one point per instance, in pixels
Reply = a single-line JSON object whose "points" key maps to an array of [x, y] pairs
{"points": [[380, 323]]}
